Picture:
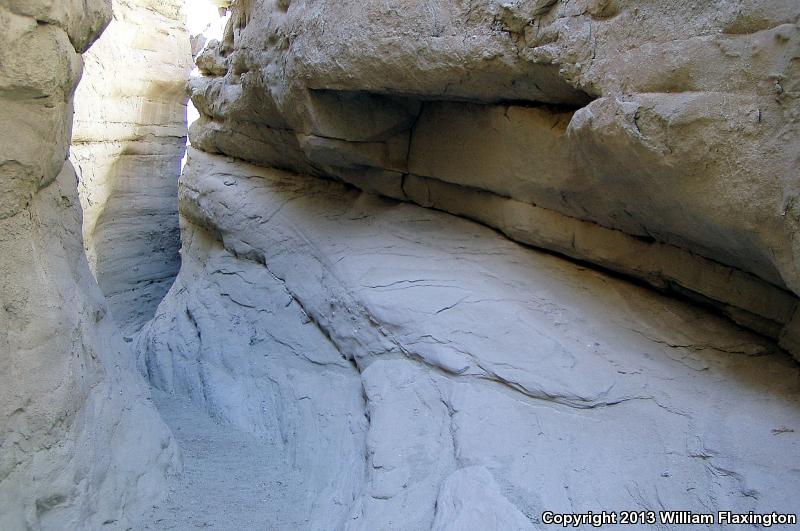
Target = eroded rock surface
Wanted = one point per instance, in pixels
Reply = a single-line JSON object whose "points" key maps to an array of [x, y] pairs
{"points": [[657, 139], [422, 370], [128, 142], [80, 445]]}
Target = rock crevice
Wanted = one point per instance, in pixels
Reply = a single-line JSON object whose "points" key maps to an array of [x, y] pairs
{"points": [[363, 331], [128, 141]]}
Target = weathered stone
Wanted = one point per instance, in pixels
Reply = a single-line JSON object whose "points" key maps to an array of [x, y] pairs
{"points": [[683, 133], [128, 141], [470, 499], [80, 445], [498, 381], [332, 359], [81, 20], [745, 298]]}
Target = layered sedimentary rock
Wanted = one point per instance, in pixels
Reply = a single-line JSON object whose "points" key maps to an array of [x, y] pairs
{"points": [[414, 370], [424, 371], [128, 142], [80, 445], [656, 139]]}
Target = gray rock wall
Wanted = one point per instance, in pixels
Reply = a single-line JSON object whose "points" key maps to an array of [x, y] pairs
{"points": [[412, 369], [128, 141], [80, 445], [415, 370], [656, 139]]}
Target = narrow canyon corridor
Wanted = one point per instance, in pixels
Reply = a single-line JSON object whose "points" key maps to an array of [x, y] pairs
{"points": [[230, 479], [399, 265]]}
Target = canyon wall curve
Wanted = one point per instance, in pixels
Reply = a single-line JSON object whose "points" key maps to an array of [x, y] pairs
{"points": [[128, 141], [423, 265], [81, 446], [668, 155], [664, 155]]}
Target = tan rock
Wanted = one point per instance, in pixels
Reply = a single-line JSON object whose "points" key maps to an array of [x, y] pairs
{"points": [[80, 445], [128, 142], [683, 133]]}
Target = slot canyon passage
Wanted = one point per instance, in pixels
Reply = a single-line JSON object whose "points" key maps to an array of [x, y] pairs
{"points": [[425, 264]]}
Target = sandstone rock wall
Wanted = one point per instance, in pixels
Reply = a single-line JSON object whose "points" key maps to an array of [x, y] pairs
{"points": [[423, 371], [657, 139], [128, 142], [80, 445], [413, 370]]}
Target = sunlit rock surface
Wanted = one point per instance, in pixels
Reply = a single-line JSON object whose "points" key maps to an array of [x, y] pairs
{"points": [[365, 332], [128, 142]]}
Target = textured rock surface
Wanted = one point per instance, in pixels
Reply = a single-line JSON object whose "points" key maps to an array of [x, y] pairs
{"points": [[231, 478], [80, 445], [128, 142], [423, 371], [658, 139]]}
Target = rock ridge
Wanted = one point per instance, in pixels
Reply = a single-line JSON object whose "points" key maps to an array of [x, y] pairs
{"points": [[665, 154]]}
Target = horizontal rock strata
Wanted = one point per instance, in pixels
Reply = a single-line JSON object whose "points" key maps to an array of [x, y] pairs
{"points": [[668, 153], [128, 142]]}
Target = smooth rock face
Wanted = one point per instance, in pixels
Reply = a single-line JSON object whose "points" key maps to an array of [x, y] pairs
{"points": [[424, 372], [128, 141], [675, 145], [238, 344], [80, 445], [470, 499]]}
